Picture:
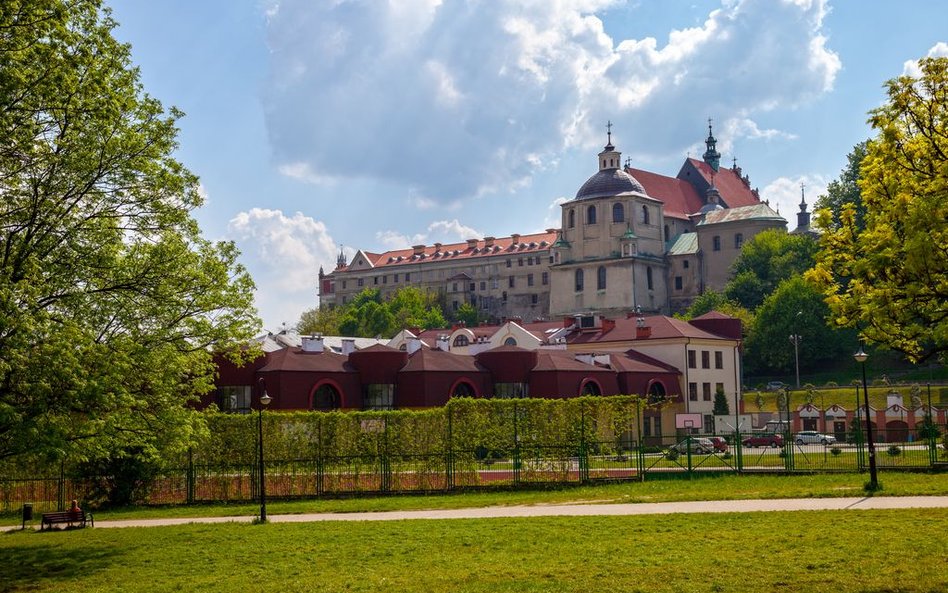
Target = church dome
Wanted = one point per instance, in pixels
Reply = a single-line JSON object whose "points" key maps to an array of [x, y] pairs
{"points": [[609, 182]]}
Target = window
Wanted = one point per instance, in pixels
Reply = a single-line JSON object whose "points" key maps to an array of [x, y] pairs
{"points": [[472, 286], [234, 398], [601, 278], [719, 360], [454, 287], [384, 279], [396, 278], [464, 389], [454, 305], [579, 280], [666, 232], [591, 388], [678, 283], [375, 280], [645, 216], [326, 398], [407, 277], [534, 299], [494, 283], [510, 390], [738, 240], [461, 340], [705, 359], [379, 396], [520, 262], [717, 243], [648, 278], [719, 387], [343, 284], [571, 219], [511, 341], [511, 282], [359, 281], [618, 212], [509, 263], [591, 215], [692, 360], [503, 296], [693, 392], [706, 392], [709, 423], [545, 278], [685, 264], [529, 279], [483, 285]]}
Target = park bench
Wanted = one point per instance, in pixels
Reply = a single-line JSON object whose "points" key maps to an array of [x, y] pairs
{"points": [[77, 518]]}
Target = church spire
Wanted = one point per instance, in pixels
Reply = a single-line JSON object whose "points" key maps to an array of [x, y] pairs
{"points": [[803, 217], [609, 158], [711, 155]]}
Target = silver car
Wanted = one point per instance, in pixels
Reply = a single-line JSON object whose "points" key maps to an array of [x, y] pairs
{"points": [[699, 445], [811, 437]]}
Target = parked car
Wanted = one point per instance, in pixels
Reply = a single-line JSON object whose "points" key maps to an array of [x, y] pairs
{"points": [[811, 437], [775, 385], [699, 445], [720, 445], [763, 440]]}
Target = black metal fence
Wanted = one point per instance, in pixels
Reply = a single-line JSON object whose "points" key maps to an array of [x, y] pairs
{"points": [[515, 466]]}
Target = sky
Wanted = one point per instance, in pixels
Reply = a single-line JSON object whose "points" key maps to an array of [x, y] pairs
{"points": [[325, 126]]}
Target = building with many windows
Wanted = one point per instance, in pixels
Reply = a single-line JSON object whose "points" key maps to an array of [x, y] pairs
{"points": [[629, 240]]}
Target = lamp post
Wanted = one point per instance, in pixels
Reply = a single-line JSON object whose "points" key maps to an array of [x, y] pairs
{"points": [[873, 480], [795, 339], [264, 401]]}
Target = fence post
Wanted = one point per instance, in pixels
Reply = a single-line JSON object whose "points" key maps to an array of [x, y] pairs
{"points": [[738, 452], [190, 479]]}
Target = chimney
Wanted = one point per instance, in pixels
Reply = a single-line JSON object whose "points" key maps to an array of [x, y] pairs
{"points": [[642, 331], [418, 249], [608, 324], [444, 342], [437, 247], [489, 241], [348, 346], [471, 243], [414, 345], [569, 322], [312, 343], [515, 238]]}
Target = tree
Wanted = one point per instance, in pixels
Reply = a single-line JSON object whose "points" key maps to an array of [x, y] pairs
{"points": [[721, 407], [368, 315], [765, 261], [111, 302], [466, 313], [320, 320], [845, 190], [413, 307], [795, 307], [889, 278]]}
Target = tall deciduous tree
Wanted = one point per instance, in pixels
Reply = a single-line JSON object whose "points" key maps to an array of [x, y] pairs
{"points": [[845, 189], [890, 277], [110, 300], [765, 261]]}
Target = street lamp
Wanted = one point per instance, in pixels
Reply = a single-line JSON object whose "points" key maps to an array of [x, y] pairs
{"points": [[264, 401], [795, 339], [873, 480]]}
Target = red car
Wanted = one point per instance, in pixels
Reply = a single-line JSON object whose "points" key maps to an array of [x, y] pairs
{"points": [[720, 445], [764, 440]]}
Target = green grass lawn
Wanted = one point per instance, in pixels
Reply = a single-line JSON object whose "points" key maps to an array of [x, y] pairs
{"points": [[819, 551]]}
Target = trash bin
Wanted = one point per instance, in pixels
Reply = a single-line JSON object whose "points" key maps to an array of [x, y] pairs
{"points": [[27, 513]]}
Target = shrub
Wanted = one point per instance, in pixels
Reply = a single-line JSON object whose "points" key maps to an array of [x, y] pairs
{"points": [[671, 455], [894, 451], [832, 384], [726, 455], [835, 450]]}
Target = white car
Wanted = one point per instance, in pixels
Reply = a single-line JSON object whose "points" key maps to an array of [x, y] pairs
{"points": [[811, 437], [699, 445]]}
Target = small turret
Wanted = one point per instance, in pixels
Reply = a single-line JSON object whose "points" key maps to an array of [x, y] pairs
{"points": [[711, 155]]}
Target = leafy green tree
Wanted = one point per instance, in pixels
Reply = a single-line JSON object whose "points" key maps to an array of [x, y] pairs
{"points": [[368, 315], [889, 278], [796, 307], [466, 313], [765, 261], [413, 307], [111, 302], [721, 406], [320, 320], [845, 189], [706, 302]]}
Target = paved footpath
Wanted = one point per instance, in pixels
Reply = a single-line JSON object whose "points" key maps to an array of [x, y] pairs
{"points": [[574, 510]]}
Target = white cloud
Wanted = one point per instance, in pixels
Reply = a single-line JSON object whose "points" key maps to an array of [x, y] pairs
{"points": [[394, 240], [455, 99], [784, 195], [442, 231], [283, 254], [303, 172], [910, 68]]}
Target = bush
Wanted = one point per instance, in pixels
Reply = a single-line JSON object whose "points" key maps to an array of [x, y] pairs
{"points": [[671, 455], [894, 451], [832, 384], [119, 480], [835, 450], [726, 455]]}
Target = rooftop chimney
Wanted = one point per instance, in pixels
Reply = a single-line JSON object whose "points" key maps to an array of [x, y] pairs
{"points": [[414, 345], [515, 238], [418, 249], [608, 324], [312, 343], [444, 343], [348, 346], [642, 331], [488, 241], [471, 243]]}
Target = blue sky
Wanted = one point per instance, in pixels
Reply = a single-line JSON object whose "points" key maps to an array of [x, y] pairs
{"points": [[317, 126]]}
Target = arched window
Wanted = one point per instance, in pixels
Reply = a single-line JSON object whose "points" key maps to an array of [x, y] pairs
{"points": [[590, 388], [601, 278], [618, 212], [648, 278], [645, 219], [571, 219], [326, 398], [511, 341], [463, 389], [591, 215], [579, 280], [656, 393], [461, 340]]}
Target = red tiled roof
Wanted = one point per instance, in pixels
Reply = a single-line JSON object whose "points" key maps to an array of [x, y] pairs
{"points": [[625, 329], [295, 359], [526, 244], [437, 360], [734, 191], [636, 362], [561, 360], [679, 196]]}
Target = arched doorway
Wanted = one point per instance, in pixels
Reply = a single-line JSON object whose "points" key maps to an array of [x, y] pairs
{"points": [[326, 398], [463, 389], [590, 387], [896, 431]]}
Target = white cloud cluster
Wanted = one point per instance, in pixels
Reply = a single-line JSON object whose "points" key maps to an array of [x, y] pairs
{"points": [[454, 98], [784, 194], [443, 231], [939, 50], [283, 253]]}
